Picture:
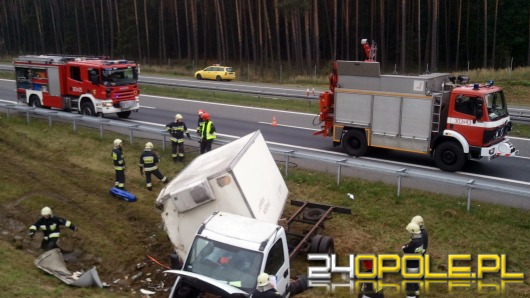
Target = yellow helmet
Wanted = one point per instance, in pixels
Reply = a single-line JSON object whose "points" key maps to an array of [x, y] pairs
{"points": [[413, 228], [148, 145], [263, 279], [178, 117], [117, 142], [46, 211], [418, 220]]}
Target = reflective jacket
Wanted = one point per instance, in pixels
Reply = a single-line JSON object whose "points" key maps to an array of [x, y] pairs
{"points": [[118, 158], [177, 131], [208, 130], [149, 161], [199, 124], [50, 226]]}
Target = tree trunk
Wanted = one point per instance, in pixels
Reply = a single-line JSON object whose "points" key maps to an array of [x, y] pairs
{"points": [[269, 36], [147, 41], [78, 35], [434, 37], [335, 17], [307, 29], [458, 33], [494, 34], [38, 13], [485, 49], [138, 43], [382, 43], [194, 31], [177, 30], [316, 33], [252, 31], [347, 27], [239, 37], [277, 20], [403, 35], [419, 36]]}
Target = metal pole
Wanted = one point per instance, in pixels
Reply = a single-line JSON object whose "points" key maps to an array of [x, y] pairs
{"points": [[131, 135], [27, 117], [400, 177], [469, 187], [286, 165], [339, 168], [101, 130], [50, 120], [75, 128]]}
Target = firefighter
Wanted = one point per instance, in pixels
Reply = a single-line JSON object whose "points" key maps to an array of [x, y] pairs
{"points": [[49, 225], [149, 165], [207, 133], [200, 121], [177, 130], [415, 246], [264, 288], [370, 289], [419, 221], [119, 164]]}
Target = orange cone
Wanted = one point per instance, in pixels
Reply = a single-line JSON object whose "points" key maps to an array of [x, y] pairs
{"points": [[274, 121]]}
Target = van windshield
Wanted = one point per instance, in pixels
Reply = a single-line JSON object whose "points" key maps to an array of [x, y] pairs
{"points": [[118, 76], [496, 105], [234, 265]]}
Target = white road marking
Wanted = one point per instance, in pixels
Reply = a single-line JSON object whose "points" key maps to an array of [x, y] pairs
{"points": [[226, 105]]}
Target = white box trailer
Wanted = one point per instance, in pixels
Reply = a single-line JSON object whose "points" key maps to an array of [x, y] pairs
{"points": [[240, 178]]}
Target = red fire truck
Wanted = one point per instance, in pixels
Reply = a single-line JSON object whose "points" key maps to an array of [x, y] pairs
{"points": [[435, 114], [94, 86]]}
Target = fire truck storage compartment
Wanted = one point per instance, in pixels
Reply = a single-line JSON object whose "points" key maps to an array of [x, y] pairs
{"points": [[45, 79], [394, 121]]}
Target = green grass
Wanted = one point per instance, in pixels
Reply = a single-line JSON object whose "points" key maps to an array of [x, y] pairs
{"points": [[72, 172]]}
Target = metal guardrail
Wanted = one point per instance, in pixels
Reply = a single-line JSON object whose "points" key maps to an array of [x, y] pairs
{"points": [[452, 179]]}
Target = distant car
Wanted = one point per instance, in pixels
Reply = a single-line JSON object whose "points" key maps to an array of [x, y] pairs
{"points": [[216, 72]]}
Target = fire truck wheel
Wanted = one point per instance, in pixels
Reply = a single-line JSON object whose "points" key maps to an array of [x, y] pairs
{"points": [[87, 109], [34, 101], [199, 77], [124, 114], [354, 143], [327, 246], [315, 243], [449, 157]]}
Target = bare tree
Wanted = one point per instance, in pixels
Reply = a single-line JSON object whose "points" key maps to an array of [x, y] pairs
{"points": [[419, 36], [434, 36], [316, 33], [494, 34], [485, 49], [403, 34], [138, 44], [147, 40], [458, 33], [177, 29]]}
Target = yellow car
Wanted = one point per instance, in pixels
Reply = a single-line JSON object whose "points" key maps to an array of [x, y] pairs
{"points": [[216, 72]]}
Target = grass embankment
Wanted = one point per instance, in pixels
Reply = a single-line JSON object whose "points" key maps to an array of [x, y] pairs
{"points": [[72, 172]]}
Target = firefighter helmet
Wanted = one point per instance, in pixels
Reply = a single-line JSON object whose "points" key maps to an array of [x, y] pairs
{"points": [[148, 145], [413, 228], [200, 112], [418, 220], [263, 279], [117, 142], [178, 117], [46, 211], [205, 116]]}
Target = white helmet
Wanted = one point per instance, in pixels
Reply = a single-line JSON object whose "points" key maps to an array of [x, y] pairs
{"points": [[148, 145], [418, 220], [117, 142], [263, 279], [413, 228], [178, 117], [46, 211]]}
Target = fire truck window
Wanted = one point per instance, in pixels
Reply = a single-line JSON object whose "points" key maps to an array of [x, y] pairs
{"points": [[75, 73], [465, 104]]}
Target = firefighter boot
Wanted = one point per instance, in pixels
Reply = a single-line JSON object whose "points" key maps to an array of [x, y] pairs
{"points": [[150, 188], [175, 159]]}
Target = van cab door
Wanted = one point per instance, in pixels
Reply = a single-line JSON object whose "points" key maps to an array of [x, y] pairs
{"points": [[277, 263]]}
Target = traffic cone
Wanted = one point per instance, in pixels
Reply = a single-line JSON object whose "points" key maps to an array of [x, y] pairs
{"points": [[274, 121]]}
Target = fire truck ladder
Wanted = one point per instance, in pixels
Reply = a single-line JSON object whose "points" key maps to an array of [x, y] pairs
{"points": [[436, 111]]}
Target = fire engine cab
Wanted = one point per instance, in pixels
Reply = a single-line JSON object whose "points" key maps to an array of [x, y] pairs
{"points": [[94, 86], [436, 114]]}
